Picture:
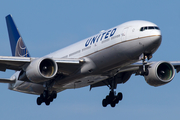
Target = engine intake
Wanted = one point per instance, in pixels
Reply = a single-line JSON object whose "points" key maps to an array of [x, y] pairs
{"points": [[160, 73], [47, 67], [41, 70]]}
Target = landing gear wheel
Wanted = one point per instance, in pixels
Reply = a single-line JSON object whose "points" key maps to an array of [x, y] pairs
{"points": [[47, 102], [54, 94], [51, 99], [104, 102], [112, 99], [107, 99], [46, 97], [120, 96], [39, 101], [113, 104]]}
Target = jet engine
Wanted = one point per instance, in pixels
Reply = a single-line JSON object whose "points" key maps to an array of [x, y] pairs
{"points": [[42, 69], [160, 73]]}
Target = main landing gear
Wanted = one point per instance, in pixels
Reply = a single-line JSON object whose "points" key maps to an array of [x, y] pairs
{"points": [[46, 97], [112, 98]]}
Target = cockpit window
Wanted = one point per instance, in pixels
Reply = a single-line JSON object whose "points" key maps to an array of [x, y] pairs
{"points": [[145, 28], [148, 28], [142, 29], [156, 28], [151, 27]]}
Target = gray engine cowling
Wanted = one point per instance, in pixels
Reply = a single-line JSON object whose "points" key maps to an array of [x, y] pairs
{"points": [[41, 70], [160, 73]]}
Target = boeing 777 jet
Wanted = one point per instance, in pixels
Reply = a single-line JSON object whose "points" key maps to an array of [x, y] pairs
{"points": [[108, 58]]}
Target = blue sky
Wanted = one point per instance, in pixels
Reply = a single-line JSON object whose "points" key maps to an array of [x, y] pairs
{"points": [[47, 26]]}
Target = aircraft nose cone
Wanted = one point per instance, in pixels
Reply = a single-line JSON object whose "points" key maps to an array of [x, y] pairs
{"points": [[158, 33], [155, 42], [157, 37]]}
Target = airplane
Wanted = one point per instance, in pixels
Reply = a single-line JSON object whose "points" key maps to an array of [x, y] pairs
{"points": [[108, 58]]}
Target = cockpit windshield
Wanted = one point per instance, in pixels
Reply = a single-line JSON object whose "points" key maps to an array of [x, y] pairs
{"points": [[149, 28]]}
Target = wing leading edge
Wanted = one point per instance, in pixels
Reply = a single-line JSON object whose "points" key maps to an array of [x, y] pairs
{"points": [[125, 73], [20, 63]]}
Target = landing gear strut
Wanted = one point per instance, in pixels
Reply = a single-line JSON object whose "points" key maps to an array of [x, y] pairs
{"points": [[46, 97], [144, 70], [112, 98]]}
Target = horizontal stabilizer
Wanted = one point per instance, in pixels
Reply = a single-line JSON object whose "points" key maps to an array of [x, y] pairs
{"points": [[7, 81]]}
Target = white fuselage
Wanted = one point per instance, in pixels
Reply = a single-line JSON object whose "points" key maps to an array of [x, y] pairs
{"points": [[114, 48], [108, 50]]}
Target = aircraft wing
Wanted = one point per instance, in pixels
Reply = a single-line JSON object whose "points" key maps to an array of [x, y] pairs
{"points": [[13, 63], [176, 65], [123, 74], [135, 66], [67, 65]]}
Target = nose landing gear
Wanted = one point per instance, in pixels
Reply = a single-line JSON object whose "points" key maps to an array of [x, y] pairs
{"points": [[143, 69]]}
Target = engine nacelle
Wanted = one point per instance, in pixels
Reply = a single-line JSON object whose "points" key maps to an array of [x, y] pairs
{"points": [[41, 70], [160, 73]]}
